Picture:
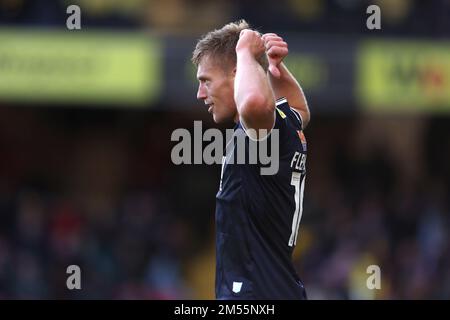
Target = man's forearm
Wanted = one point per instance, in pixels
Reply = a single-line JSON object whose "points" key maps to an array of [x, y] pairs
{"points": [[287, 86], [250, 79], [252, 91]]}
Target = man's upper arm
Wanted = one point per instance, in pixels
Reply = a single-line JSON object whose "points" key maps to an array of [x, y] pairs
{"points": [[304, 115], [297, 101]]}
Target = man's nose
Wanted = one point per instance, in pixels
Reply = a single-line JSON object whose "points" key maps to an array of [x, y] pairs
{"points": [[201, 93]]}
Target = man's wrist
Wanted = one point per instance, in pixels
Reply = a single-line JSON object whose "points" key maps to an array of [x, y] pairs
{"points": [[244, 53]]}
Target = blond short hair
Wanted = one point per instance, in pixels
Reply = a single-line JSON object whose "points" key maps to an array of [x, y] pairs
{"points": [[220, 45]]}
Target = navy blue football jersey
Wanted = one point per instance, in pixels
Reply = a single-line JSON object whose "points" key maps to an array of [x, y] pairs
{"points": [[258, 216]]}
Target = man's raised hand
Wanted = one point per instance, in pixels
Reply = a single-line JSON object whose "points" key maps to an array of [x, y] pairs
{"points": [[250, 40]]}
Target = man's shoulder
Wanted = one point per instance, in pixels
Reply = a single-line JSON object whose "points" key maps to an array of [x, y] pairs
{"points": [[286, 114]]}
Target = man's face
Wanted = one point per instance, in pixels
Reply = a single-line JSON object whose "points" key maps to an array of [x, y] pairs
{"points": [[216, 89]]}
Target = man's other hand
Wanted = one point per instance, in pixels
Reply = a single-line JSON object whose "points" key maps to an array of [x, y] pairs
{"points": [[276, 49]]}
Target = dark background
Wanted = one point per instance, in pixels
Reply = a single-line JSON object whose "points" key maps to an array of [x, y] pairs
{"points": [[92, 184]]}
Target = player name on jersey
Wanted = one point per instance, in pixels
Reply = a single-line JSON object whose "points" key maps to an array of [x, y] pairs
{"points": [[299, 161]]}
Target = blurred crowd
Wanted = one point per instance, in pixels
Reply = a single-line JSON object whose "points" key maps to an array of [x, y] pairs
{"points": [[372, 202], [90, 188], [399, 17], [97, 189]]}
